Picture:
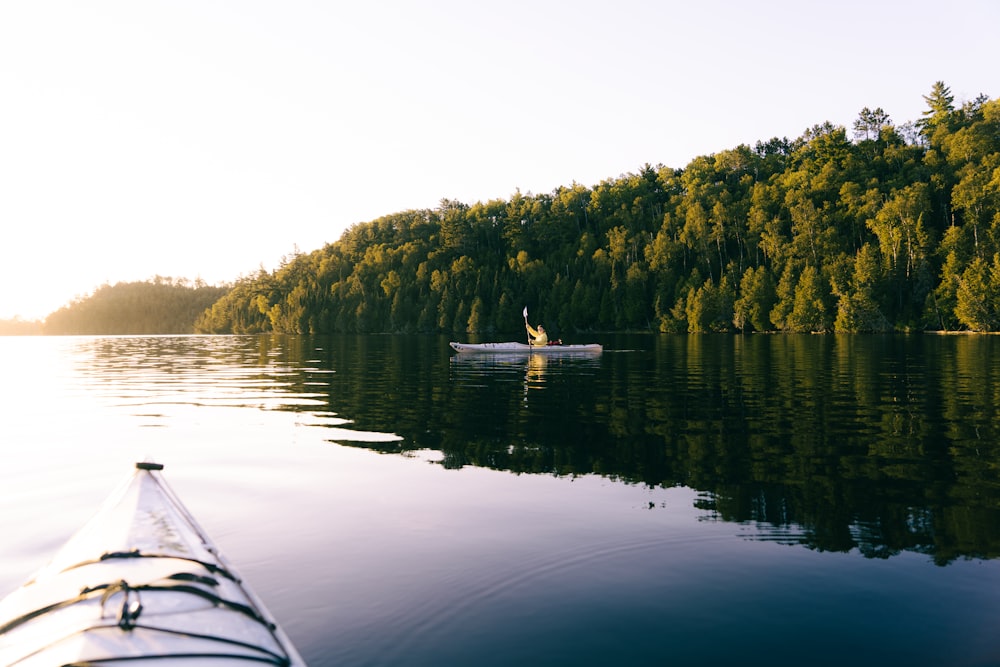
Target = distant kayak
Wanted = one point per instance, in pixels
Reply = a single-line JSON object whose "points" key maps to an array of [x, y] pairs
{"points": [[140, 584], [523, 348]]}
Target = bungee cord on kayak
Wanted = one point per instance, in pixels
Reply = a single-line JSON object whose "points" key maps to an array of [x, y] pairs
{"points": [[167, 593]]}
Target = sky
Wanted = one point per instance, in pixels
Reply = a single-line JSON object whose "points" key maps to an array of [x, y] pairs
{"points": [[206, 139]]}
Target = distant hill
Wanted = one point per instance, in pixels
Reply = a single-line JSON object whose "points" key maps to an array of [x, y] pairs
{"points": [[19, 327], [157, 306]]}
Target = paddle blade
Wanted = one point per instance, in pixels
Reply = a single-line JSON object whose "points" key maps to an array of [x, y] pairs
{"points": [[525, 312]]}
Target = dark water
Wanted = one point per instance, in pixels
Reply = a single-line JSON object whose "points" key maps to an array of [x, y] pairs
{"points": [[692, 500], [883, 444]]}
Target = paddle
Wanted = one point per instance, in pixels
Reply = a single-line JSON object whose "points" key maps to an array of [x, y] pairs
{"points": [[526, 323]]}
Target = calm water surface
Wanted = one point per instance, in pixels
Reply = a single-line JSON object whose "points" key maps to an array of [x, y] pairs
{"points": [[684, 500]]}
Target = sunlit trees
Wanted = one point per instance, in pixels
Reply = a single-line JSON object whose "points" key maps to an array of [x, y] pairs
{"points": [[978, 295], [751, 311], [709, 307], [940, 109], [894, 227], [858, 310]]}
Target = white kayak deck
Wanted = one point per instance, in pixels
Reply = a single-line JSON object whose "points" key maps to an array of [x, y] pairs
{"points": [[140, 583], [523, 348]]}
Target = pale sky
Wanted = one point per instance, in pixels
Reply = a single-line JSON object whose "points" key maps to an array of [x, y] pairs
{"points": [[208, 138]]}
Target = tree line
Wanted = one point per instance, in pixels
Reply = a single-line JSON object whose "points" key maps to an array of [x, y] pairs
{"points": [[888, 227]]}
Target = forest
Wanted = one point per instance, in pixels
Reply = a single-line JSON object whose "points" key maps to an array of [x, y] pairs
{"points": [[884, 228]]}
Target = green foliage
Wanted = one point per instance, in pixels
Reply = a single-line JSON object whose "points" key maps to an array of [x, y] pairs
{"points": [[710, 307], [757, 298], [895, 229], [857, 308], [809, 305], [978, 295]]}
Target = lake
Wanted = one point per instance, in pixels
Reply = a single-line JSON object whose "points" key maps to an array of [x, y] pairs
{"points": [[683, 500]]}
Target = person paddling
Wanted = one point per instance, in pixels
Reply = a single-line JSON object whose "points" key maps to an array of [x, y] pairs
{"points": [[539, 337]]}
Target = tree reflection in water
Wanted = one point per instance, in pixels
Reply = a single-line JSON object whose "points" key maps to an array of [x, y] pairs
{"points": [[882, 444]]}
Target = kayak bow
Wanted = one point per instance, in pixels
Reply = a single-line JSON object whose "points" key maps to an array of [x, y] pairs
{"points": [[140, 582]]}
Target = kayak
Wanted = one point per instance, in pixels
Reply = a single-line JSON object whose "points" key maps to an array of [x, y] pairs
{"points": [[523, 348], [140, 583]]}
